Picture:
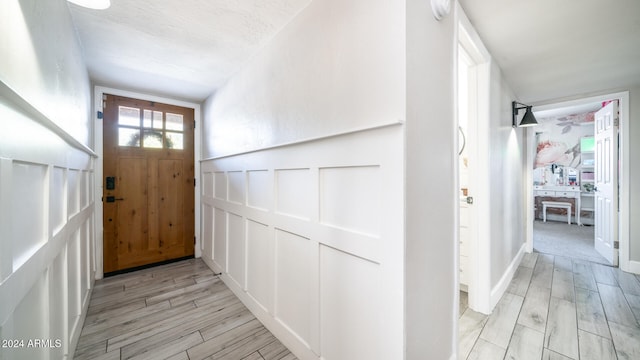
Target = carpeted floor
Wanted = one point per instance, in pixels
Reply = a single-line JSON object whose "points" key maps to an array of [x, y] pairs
{"points": [[559, 238]]}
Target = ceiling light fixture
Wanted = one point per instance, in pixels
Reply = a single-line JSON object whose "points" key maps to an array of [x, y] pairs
{"points": [[92, 4], [527, 120]]}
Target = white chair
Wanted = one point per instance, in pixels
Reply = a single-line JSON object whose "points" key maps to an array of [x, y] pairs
{"points": [[556, 204]]}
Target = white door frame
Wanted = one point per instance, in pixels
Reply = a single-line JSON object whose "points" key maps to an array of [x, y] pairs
{"points": [[98, 93], [479, 281], [623, 180]]}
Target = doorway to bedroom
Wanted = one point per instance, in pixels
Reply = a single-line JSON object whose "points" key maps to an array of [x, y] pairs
{"points": [[575, 182]]}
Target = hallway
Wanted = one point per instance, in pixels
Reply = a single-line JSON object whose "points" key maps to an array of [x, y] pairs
{"points": [[175, 311], [558, 308]]}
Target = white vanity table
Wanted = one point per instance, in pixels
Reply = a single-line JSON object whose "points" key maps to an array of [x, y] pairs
{"points": [[560, 191]]}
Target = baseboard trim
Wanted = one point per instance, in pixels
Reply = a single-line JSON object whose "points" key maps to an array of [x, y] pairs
{"points": [[500, 288], [634, 267]]}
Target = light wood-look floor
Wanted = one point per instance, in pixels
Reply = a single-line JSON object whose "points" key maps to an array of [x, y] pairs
{"points": [[176, 311], [558, 308]]}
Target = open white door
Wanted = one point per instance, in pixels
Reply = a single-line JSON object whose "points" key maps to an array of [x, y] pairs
{"points": [[606, 182], [467, 109], [474, 217]]}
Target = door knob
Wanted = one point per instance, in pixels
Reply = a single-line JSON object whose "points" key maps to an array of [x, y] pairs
{"points": [[469, 199]]}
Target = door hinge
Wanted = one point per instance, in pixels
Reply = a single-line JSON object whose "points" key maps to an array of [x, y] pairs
{"points": [[99, 114], [194, 240], [194, 124], [194, 182]]}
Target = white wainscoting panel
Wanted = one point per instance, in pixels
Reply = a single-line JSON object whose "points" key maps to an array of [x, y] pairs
{"points": [[259, 187], [207, 228], [74, 286], [85, 255], [47, 260], [220, 185], [259, 263], [29, 202], [350, 306], [58, 307], [237, 252], [6, 217], [294, 192], [207, 184], [58, 206], [311, 240], [236, 186], [31, 312], [84, 189], [350, 198], [220, 238], [294, 283], [74, 198]]}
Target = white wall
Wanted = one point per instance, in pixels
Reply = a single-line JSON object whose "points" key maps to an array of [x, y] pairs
{"points": [[341, 67], [46, 181], [507, 185], [338, 66], [303, 192], [500, 194], [634, 173], [430, 188], [42, 61]]}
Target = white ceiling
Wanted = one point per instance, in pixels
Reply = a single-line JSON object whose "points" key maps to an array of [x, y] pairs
{"points": [[181, 48], [547, 49]]}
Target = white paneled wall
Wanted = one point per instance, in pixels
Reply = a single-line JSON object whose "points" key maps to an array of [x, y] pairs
{"points": [[46, 237], [310, 237]]}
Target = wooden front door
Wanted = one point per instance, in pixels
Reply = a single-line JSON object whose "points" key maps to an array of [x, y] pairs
{"points": [[148, 183]]}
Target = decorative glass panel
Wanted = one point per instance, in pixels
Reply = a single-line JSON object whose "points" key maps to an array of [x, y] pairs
{"points": [[152, 139], [174, 141], [174, 122], [128, 137], [128, 116], [152, 119]]}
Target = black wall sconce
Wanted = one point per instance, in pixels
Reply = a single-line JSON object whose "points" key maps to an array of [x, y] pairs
{"points": [[527, 120]]}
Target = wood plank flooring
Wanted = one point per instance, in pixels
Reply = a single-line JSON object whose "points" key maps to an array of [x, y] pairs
{"points": [[558, 308], [175, 311]]}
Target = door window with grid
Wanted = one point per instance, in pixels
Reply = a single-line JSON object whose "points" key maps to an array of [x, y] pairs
{"points": [[150, 128]]}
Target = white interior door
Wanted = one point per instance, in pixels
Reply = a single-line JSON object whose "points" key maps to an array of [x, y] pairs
{"points": [[474, 59], [466, 110], [606, 182]]}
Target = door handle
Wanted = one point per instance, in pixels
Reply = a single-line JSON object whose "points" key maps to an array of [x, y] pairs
{"points": [[469, 200], [111, 199]]}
